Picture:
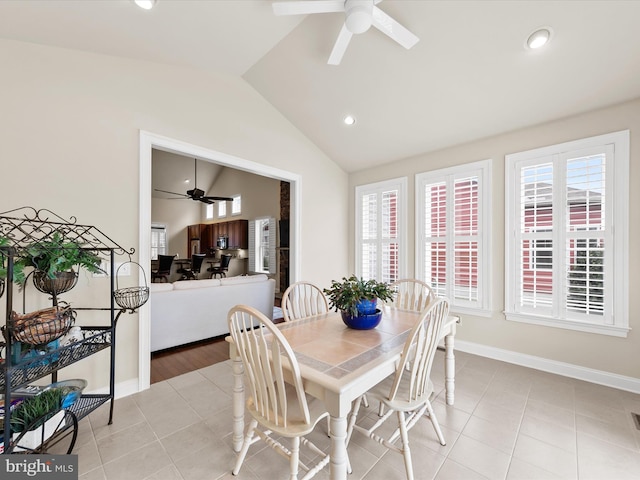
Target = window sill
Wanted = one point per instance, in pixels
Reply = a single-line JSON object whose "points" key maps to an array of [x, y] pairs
{"points": [[611, 330]]}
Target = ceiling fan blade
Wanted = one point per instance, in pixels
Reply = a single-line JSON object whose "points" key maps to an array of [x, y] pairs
{"points": [[340, 46], [204, 200], [172, 193], [393, 29], [225, 199], [309, 6]]}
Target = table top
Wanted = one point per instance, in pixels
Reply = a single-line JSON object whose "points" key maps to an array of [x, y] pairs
{"points": [[335, 356]]}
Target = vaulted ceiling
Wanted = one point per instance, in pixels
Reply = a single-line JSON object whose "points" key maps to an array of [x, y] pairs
{"points": [[470, 75]]}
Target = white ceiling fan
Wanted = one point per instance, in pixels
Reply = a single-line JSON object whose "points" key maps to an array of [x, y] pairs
{"points": [[359, 16]]}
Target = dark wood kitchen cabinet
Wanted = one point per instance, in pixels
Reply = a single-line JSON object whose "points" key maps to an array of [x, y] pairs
{"points": [[236, 231]]}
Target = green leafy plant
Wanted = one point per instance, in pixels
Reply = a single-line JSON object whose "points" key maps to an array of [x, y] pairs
{"points": [[54, 255], [34, 411], [346, 294]]}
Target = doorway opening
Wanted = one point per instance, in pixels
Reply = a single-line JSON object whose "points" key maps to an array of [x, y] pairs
{"points": [[150, 142]]}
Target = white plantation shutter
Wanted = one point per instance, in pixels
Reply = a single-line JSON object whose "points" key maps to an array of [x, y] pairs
{"points": [[453, 229], [535, 237], [466, 239], [570, 263], [272, 245], [379, 226], [262, 244], [252, 246]]}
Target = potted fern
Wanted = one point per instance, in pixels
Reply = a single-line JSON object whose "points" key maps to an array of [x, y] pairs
{"points": [[53, 261], [356, 299]]}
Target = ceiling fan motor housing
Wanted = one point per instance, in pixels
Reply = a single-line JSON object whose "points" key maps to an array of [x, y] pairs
{"points": [[359, 15], [195, 193]]}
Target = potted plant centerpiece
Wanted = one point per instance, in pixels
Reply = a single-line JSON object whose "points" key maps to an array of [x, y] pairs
{"points": [[356, 299], [53, 261]]}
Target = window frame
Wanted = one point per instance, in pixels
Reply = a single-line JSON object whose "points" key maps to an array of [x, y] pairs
{"points": [[237, 201], [615, 319], [377, 188], [161, 229], [482, 170], [257, 248], [222, 205]]}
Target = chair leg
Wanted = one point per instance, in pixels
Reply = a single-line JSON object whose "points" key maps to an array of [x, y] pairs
{"points": [[436, 425], [245, 446], [352, 419], [295, 458], [406, 451]]}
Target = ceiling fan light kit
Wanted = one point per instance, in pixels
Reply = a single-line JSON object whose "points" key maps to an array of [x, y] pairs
{"points": [[359, 16]]}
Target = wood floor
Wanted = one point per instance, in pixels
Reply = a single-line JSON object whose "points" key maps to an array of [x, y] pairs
{"points": [[176, 361]]}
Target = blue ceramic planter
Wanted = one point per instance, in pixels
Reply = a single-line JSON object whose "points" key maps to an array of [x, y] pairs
{"points": [[365, 321], [366, 306]]}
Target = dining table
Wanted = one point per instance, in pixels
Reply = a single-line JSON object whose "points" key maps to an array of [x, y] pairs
{"points": [[339, 364]]}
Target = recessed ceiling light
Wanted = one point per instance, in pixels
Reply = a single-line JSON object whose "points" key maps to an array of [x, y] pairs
{"points": [[186, 180], [539, 38], [146, 4], [349, 120]]}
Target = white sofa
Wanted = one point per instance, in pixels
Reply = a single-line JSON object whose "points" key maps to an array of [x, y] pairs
{"points": [[191, 310]]}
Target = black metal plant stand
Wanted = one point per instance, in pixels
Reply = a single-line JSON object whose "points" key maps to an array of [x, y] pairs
{"points": [[27, 226]]}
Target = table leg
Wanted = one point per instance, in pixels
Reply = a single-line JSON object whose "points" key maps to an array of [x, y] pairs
{"points": [[449, 368], [238, 399], [338, 465]]}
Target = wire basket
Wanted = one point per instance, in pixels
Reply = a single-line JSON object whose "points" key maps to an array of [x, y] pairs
{"points": [[61, 283], [131, 298], [42, 326]]}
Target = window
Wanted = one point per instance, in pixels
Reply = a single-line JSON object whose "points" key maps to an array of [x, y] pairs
{"points": [[158, 240], [262, 245], [453, 234], [236, 205], [209, 211], [222, 209], [566, 264], [381, 230]]}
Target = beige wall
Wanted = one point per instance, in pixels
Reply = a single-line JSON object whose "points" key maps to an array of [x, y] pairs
{"points": [[176, 215], [599, 352], [69, 142], [260, 195]]}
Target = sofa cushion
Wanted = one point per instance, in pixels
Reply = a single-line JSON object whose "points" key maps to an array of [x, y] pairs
{"points": [[160, 287], [244, 279], [189, 284]]}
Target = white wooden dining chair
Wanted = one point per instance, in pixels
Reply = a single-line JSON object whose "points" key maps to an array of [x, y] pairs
{"points": [[407, 392], [279, 409], [303, 299], [411, 294]]}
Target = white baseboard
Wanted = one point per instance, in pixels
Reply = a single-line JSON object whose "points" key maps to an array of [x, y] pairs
{"points": [[123, 389], [629, 384]]}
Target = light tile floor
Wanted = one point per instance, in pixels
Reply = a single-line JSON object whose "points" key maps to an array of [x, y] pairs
{"points": [[508, 422]]}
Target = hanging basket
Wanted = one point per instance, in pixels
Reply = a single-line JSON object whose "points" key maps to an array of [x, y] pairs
{"points": [[63, 282], [42, 326], [131, 298]]}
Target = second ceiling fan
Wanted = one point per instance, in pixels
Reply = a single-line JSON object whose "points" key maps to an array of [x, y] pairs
{"points": [[196, 194], [359, 16]]}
